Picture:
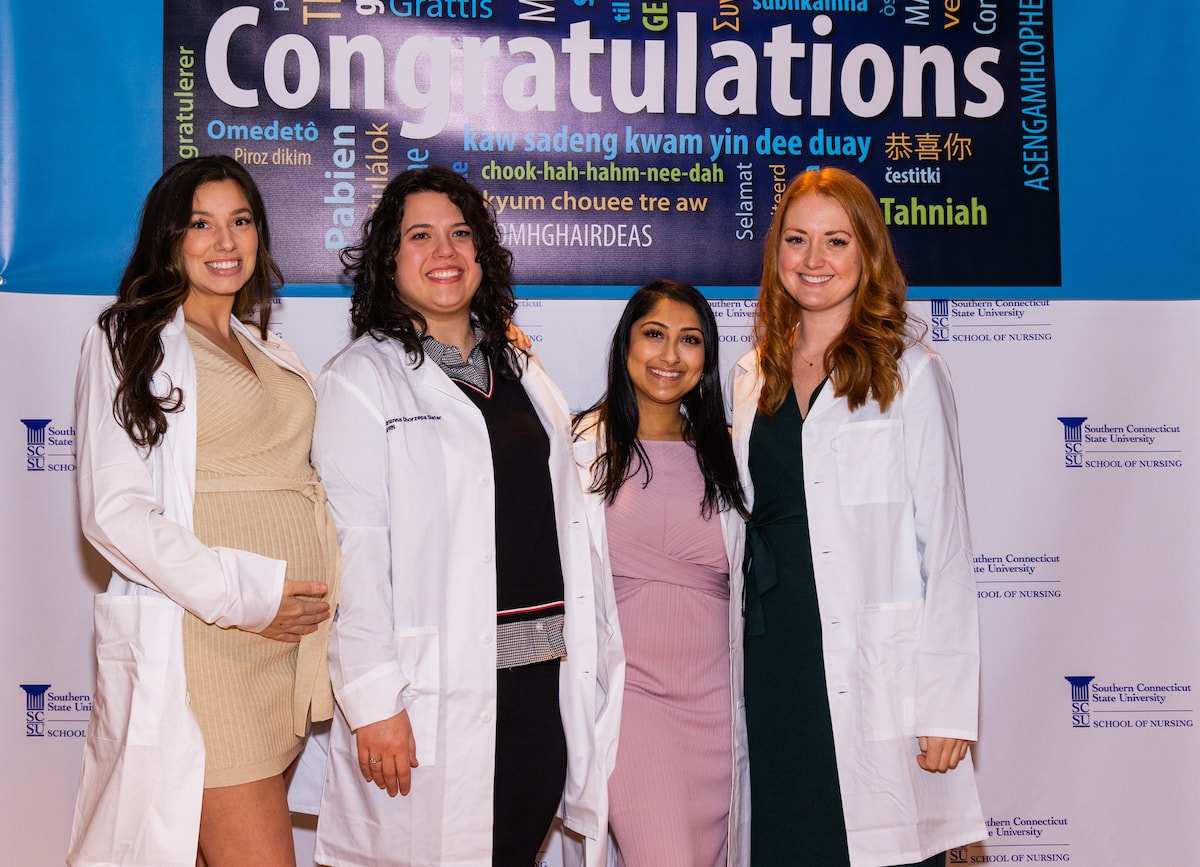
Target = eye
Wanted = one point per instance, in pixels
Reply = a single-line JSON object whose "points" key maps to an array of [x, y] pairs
{"points": [[419, 235], [839, 242], [794, 239], [199, 224], [652, 333], [243, 221], [462, 233], [694, 339]]}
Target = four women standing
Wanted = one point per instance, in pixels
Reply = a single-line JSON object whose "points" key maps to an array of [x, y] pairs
{"points": [[474, 652]]}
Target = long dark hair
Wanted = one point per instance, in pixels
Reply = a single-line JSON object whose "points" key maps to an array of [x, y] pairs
{"points": [[377, 308], [622, 456], [155, 283]]}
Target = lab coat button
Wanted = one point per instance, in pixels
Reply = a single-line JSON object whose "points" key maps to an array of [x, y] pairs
{"points": [[486, 717], [487, 638], [487, 558]]}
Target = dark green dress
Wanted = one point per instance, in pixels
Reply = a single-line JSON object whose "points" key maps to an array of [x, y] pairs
{"points": [[795, 801]]}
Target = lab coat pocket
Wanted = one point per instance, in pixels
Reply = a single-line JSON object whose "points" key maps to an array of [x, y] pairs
{"points": [[134, 639], [887, 664], [143, 766], [870, 461], [417, 651]]}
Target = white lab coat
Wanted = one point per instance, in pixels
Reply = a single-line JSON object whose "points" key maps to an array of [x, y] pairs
{"points": [[405, 459], [733, 529], [897, 599], [143, 764]]}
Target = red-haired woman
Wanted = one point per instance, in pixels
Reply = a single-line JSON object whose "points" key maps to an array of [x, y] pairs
{"points": [[862, 644]]}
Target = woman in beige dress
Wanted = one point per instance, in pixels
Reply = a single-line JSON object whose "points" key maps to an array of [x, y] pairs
{"points": [[195, 483]]}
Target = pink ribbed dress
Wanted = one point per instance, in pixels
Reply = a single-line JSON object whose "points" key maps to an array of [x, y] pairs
{"points": [[670, 792]]}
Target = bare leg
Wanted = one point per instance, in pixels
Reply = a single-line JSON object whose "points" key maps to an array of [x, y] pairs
{"points": [[247, 826]]}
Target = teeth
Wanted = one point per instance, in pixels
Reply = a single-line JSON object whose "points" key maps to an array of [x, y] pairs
{"points": [[810, 278], [668, 374], [444, 275], [225, 265]]}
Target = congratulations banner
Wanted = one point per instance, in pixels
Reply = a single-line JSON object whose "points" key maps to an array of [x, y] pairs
{"points": [[621, 141]]}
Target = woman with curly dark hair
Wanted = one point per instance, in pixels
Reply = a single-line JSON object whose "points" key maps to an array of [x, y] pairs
{"points": [[194, 482], [862, 639], [475, 640]]}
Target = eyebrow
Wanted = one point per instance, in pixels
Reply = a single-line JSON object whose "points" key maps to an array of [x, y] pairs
{"points": [[664, 325], [463, 224], [239, 211], [830, 232]]}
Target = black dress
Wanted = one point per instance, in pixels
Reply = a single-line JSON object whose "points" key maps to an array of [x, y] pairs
{"points": [[795, 799]]}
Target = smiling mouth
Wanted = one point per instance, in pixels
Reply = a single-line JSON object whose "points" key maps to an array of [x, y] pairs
{"points": [[445, 274], [815, 279], [225, 265], [666, 374]]}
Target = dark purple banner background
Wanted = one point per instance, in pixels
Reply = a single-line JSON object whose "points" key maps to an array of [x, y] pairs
{"points": [[620, 142]]}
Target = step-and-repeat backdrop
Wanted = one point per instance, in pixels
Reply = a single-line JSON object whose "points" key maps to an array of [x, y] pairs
{"points": [[1031, 161]]}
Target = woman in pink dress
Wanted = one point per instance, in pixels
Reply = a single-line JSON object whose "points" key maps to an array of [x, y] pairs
{"points": [[657, 460]]}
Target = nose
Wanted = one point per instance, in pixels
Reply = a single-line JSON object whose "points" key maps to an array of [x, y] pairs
{"points": [[670, 351], [444, 247], [224, 239], [813, 255]]}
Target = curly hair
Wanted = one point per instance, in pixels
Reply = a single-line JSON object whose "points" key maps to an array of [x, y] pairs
{"points": [[155, 284], [621, 456], [863, 361], [376, 307]]}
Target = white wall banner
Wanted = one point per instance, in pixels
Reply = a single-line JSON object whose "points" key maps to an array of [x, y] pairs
{"points": [[1081, 466]]}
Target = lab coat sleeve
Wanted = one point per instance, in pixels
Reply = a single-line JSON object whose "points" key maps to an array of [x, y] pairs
{"points": [[351, 457], [124, 516], [610, 672], [948, 652]]}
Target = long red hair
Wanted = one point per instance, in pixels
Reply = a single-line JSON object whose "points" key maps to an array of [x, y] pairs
{"points": [[863, 361]]}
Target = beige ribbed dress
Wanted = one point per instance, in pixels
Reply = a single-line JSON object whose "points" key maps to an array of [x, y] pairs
{"points": [[257, 491]]}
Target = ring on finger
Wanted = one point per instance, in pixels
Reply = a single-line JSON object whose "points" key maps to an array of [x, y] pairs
{"points": [[374, 761]]}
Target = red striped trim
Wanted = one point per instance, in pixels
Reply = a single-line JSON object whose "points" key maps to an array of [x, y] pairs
{"points": [[545, 607]]}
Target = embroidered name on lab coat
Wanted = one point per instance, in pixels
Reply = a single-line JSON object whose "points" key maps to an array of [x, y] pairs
{"points": [[392, 422]]}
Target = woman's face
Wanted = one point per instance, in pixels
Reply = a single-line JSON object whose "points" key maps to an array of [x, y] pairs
{"points": [[220, 247], [436, 271], [666, 353], [820, 261]]}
